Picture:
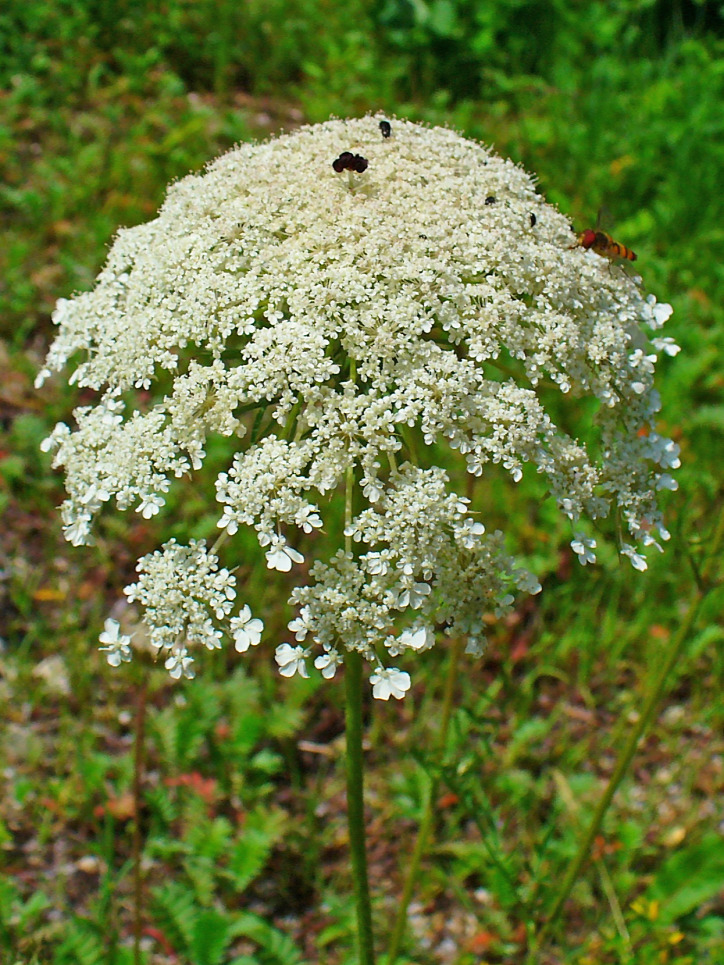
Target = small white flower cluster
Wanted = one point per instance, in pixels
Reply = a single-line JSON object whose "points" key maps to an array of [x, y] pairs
{"points": [[343, 320], [177, 587], [423, 556], [263, 489]]}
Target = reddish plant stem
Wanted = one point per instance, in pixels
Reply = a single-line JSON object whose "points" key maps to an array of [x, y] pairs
{"points": [[138, 763]]}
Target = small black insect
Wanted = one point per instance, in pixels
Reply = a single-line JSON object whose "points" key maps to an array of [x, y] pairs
{"points": [[490, 199], [533, 220], [386, 128], [343, 161], [347, 161]]}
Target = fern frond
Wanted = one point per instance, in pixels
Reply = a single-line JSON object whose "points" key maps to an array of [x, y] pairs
{"points": [[176, 913], [274, 947]]}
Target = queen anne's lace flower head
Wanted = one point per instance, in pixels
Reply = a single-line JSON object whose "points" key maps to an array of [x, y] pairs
{"points": [[361, 305]]}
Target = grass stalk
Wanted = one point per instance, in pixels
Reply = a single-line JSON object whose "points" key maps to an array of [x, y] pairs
{"points": [[622, 764], [671, 657], [139, 739], [423, 836]]}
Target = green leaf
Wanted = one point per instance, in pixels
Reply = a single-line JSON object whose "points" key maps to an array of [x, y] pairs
{"points": [[210, 839], [688, 878], [175, 912], [212, 936], [31, 910], [527, 735], [248, 857], [200, 870], [443, 20], [160, 803], [275, 948], [82, 946]]}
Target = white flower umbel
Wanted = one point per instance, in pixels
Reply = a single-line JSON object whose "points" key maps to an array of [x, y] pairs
{"points": [[180, 587], [339, 325]]}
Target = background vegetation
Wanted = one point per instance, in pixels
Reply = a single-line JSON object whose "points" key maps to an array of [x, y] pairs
{"points": [[614, 104]]}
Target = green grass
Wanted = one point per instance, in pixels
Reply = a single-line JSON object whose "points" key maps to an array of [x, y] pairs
{"points": [[613, 105]]}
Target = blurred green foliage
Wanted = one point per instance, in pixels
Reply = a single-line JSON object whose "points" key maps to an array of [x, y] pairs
{"points": [[464, 47]]}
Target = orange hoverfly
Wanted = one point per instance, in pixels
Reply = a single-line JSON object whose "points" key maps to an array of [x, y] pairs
{"points": [[603, 244]]}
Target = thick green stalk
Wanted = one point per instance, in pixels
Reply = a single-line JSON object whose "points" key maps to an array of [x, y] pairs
{"points": [[355, 806], [355, 762], [429, 813]]}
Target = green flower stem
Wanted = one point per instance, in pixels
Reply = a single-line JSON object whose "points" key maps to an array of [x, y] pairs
{"points": [[355, 805], [429, 813], [355, 761], [671, 657]]}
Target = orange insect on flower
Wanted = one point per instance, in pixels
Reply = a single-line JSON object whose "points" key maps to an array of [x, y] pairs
{"points": [[603, 244]]}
